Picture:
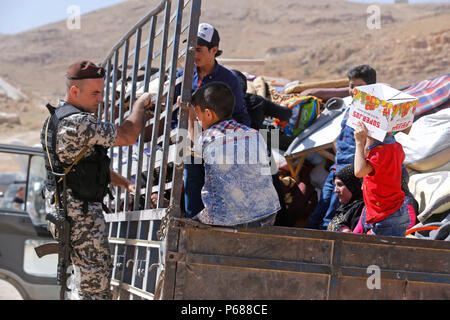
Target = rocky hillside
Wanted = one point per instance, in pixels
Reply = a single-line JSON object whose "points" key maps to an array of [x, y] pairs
{"points": [[299, 40]]}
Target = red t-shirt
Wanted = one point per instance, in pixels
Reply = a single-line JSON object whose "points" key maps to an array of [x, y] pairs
{"points": [[382, 187]]}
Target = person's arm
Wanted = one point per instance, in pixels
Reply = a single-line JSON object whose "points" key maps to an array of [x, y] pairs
{"points": [[191, 123], [122, 182], [194, 134], [275, 110], [148, 131], [359, 227], [129, 131], [240, 113], [362, 167]]}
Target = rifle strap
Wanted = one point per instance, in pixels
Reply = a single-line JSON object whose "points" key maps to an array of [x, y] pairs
{"points": [[78, 158]]}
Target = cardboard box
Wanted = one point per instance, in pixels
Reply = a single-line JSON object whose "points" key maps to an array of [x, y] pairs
{"points": [[382, 108]]}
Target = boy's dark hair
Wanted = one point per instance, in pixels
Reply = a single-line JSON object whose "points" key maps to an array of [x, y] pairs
{"points": [[215, 96], [218, 53], [365, 72]]}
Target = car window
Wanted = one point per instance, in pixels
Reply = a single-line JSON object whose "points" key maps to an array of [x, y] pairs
{"points": [[35, 205], [12, 198]]}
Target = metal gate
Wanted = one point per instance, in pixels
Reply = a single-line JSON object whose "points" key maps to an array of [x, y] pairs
{"points": [[146, 59]]}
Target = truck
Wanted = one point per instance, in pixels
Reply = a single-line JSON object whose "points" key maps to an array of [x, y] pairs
{"points": [[159, 254]]}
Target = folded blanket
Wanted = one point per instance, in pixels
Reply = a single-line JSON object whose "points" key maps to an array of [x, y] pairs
{"points": [[318, 84], [432, 93]]}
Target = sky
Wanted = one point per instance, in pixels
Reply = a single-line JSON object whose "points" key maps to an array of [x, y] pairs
{"points": [[21, 15]]}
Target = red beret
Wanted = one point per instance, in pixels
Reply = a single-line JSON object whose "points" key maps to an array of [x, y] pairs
{"points": [[84, 70]]}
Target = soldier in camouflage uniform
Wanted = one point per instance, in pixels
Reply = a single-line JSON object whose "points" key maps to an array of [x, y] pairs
{"points": [[90, 255]]}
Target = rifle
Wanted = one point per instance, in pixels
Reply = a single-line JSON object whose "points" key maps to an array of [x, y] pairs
{"points": [[63, 247]]}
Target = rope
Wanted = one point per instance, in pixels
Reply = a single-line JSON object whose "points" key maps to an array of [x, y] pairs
{"points": [[421, 228]]}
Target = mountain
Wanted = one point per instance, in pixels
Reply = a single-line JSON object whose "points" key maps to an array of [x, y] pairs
{"points": [[299, 40]]}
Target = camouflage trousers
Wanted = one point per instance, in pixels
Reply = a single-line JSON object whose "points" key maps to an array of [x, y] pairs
{"points": [[91, 256]]}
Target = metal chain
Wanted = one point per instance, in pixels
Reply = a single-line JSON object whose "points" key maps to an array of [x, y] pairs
{"points": [[165, 221]]}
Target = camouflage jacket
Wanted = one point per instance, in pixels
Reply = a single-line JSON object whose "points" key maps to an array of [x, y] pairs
{"points": [[77, 131], [80, 130]]}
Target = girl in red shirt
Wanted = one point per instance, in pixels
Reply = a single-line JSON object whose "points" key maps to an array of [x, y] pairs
{"points": [[380, 165]]}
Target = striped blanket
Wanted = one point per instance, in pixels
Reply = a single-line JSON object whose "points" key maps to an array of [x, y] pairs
{"points": [[433, 94]]}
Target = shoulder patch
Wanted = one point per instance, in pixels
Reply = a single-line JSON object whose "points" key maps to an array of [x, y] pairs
{"points": [[94, 120]]}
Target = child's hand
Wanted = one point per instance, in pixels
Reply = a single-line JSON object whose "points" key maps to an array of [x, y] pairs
{"points": [[360, 132], [130, 186]]}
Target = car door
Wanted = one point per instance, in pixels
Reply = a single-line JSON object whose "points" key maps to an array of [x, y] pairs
{"points": [[22, 228]]}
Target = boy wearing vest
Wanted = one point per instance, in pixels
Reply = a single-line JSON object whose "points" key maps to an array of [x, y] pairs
{"points": [[380, 163], [238, 189]]}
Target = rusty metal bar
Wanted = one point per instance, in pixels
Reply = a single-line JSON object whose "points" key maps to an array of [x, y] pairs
{"points": [[169, 103], [132, 100], [155, 131], [168, 288], [128, 273], [148, 64], [113, 95], [119, 150], [121, 116], [106, 94], [139, 24], [147, 187], [133, 234]]}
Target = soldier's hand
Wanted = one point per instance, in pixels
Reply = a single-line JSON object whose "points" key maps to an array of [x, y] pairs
{"points": [[146, 100]]}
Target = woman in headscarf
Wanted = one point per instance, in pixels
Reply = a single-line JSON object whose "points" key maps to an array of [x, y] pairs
{"points": [[348, 190], [410, 202]]}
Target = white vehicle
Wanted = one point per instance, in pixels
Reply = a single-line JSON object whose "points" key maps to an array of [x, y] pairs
{"points": [[23, 227]]}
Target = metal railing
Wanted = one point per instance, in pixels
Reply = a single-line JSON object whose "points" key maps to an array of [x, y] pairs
{"points": [[136, 224]]}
